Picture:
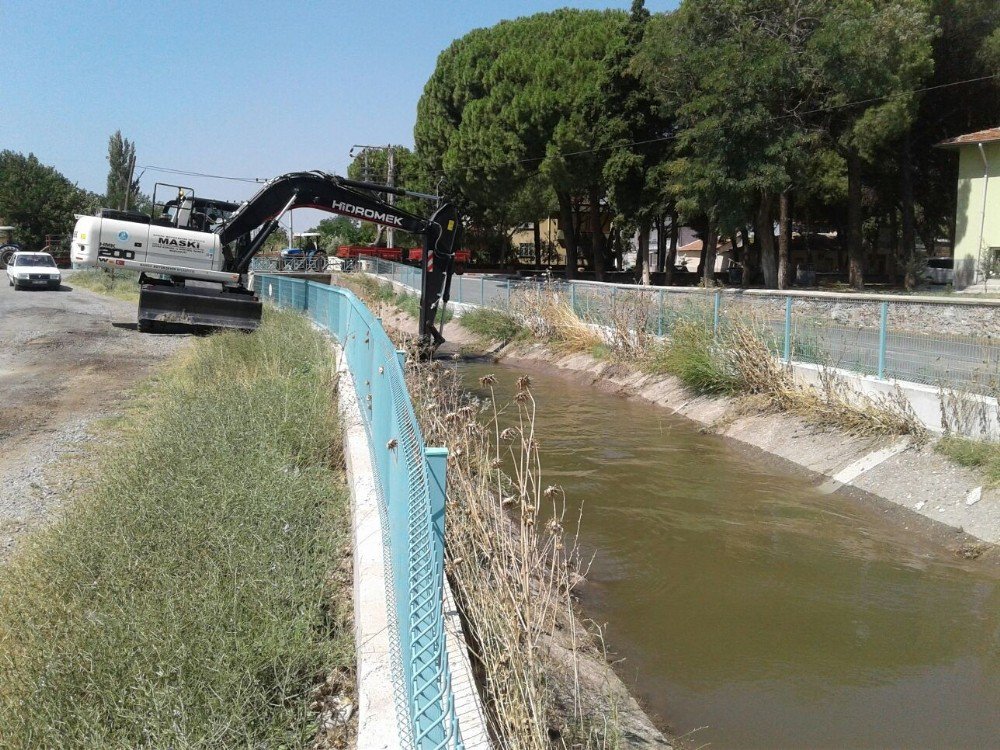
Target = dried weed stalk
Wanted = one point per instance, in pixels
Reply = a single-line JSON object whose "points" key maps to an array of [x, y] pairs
{"points": [[512, 562], [971, 411], [767, 384], [548, 315], [736, 358]]}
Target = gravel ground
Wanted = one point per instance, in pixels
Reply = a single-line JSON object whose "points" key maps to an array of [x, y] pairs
{"points": [[67, 358]]}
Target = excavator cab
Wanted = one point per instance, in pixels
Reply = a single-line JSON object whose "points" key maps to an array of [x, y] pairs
{"points": [[184, 210]]}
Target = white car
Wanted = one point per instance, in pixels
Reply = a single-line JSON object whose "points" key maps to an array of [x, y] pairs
{"points": [[940, 271], [27, 270]]}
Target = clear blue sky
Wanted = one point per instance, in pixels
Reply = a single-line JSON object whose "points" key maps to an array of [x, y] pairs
{"points": [[249, 88]]}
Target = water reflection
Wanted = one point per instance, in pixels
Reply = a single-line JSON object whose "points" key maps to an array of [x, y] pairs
{"points": [[745, 602]]}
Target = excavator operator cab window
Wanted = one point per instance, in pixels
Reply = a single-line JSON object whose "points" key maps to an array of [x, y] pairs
{"points": [[172, 205]]}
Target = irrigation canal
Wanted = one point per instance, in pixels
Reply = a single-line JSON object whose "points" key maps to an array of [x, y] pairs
{"points": [[751, 608]]}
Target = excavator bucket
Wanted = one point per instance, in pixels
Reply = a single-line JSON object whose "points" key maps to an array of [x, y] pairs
{"points": [[167, 307]]}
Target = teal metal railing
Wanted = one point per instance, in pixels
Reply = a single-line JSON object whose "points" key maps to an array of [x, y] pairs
{"points": [[411, 486], [949, 343]]}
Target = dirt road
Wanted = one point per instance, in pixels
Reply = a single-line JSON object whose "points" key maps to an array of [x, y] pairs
{"points": [[66, 359]]}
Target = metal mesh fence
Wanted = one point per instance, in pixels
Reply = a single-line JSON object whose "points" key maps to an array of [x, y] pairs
{"points": [[947, 343], [414, 551]]}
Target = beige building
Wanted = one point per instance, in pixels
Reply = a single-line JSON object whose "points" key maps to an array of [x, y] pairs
{"points": [[977, 223], [523, 241]]}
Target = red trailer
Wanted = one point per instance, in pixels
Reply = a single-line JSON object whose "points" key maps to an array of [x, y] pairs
{"points": [[351, 252], [461, 258]]}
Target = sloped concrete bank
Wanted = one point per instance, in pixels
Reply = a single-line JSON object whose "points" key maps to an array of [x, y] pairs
{"points": [[899, 474]]}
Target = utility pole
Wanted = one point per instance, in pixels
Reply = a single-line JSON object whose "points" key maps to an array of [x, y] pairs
{"points": [[390, 177], [391, 182]]}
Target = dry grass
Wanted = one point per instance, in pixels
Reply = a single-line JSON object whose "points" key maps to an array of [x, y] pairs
{"points": [[765, 383], [513, 563], [550, 319], [736, 359], [968, 418], [123, 285]]}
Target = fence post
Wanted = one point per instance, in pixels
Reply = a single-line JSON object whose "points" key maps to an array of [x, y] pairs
{"points": [[401, 357], [459, 300], [572, 297], [715, 314], [437, 463], [882, 331], [788, 329], [659, 321], [508, 292], [482, 291]]}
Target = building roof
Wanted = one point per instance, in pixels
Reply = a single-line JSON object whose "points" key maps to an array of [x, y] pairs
{"points": [[980, 136], [694, 247]]}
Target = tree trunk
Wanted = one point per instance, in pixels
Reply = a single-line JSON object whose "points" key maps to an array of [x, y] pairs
{"points": [[855, 251], [784, 240], [596, 234], [906, 195], [661, 246], [708, 248], [746, 258], [668, 270], [765, 241], [538, 245], [894, 254], [569, 233], [642, 256]]}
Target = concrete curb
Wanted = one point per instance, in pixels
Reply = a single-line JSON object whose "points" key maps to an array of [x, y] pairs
{"points": [[378, 723], [378, 719]]}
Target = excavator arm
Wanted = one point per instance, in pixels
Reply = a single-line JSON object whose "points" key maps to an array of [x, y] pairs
{"points": [[326, 192]]}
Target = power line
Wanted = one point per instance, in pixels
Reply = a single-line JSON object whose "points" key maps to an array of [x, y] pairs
{"points": [[186, 173]]}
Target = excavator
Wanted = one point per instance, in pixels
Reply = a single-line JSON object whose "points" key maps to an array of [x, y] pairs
{"points": [[193, 255]]}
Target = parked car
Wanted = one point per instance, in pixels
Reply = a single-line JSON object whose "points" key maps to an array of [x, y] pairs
{"points": [[27, 270], [940, 270]]}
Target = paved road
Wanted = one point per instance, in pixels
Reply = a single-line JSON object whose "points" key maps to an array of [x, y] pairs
{"points": [[66, 358]]}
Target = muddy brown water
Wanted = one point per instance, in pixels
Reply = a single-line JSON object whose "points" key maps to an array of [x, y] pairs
{"points": [[752, 610]]}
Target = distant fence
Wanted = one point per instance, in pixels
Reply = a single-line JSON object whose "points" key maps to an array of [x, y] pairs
{"points": [[410, 480], [954, 342]]}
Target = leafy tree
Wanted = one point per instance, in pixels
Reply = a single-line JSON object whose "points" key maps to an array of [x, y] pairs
{"points": [[341, 230], [637, 137], [732, 71], [38, 200], [122, 190], [868, 57], [372, 165], [520, 99]]}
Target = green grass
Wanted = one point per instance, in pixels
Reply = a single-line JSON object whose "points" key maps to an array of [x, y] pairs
{"points": [[974, 454], [410, 304], [119, 284], [693, 356], [493, 325], [184, 600]]}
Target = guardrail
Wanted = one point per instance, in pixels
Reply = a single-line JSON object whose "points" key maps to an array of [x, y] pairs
{"points": [[952, 343], [411, 481]]}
